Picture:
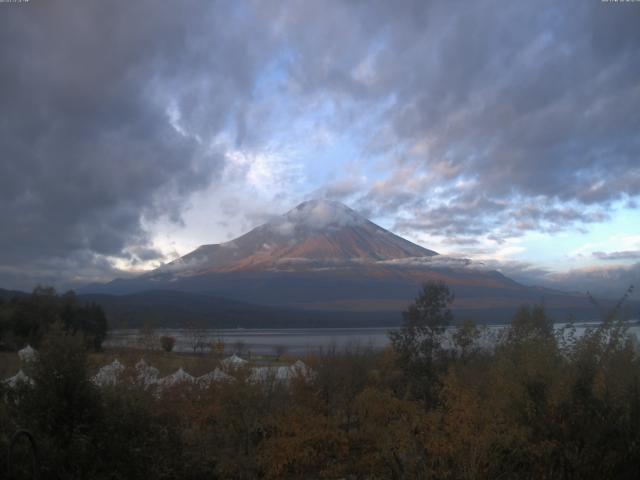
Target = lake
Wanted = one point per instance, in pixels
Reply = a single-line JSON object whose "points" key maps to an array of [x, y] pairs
{"points": [[296, 341]]}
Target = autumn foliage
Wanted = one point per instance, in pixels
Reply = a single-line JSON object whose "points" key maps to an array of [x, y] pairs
{"points": [[531, 401]]}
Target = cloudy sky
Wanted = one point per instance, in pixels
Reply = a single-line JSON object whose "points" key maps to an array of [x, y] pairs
{"points": [[505, 132]]}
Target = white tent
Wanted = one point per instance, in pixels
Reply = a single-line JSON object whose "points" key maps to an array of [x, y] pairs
{"points": [[27, 354], [300, 369], [109, 374], [281, 374], [260, 374], [216, 376], [17, 379], [263, 374], [234, 361], [146, 374], [179, 376]]}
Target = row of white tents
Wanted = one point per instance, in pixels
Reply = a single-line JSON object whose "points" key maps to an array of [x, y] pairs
{"points": [[17, 379], [147, 375], [26, 355]]}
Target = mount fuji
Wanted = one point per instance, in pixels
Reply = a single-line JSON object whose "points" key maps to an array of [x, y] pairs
{"points": [[324, 260], [313, 235]]}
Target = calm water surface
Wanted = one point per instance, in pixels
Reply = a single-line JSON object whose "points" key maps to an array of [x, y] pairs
{"points": [[276, 341]]}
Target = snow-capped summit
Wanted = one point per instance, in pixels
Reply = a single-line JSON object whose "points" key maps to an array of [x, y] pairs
{"points": [[314, 234], [320, 214]]}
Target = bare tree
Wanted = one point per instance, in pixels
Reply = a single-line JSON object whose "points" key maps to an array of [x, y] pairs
{"points": [[217, 346], [197, 337], [148, 339]]}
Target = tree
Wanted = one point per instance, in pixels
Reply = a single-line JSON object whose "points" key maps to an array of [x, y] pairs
{"points": [[303, 443], [86, 432], [167, 343], [63, 406], [388, 442], [148, 338], [27, 319], [530, 323], [280, 350], [465, 338], [88, 319], [239, 347], [418, 344], [218, 347], [197, 337], [32, 316]]}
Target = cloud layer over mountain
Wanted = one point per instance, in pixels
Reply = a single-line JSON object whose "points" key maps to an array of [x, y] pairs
{"points": [[109, 111]]}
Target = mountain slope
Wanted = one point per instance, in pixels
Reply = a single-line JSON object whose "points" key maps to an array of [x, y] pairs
{"points": [[169, 308], [313, 233]]}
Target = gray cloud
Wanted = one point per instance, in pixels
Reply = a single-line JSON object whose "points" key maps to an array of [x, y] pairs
{"points": [[602, 281], [609, 282], [493, 118], [80, 268], [108, 110], [624, 255], [506, 118]]}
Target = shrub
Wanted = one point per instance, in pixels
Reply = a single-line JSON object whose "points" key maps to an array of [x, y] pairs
{"points": [[167, 343]]}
